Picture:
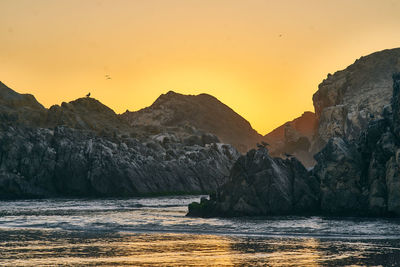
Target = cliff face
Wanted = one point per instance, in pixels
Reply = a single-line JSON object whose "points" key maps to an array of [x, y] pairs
{"points": [[67, 162], [203, 112], [344, 105], [362, 176], [354, 177], [295, 138], [349, 99], [83, 148]]}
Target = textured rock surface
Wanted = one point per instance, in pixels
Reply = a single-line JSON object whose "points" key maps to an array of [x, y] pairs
{"points": [[351, 177], [339, 172], [203, 112], [362, 176], [349, 99], [66, 162], [260, 185], [83, 148]]}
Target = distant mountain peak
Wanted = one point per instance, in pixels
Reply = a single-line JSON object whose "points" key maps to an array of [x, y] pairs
{"points": [[204, 112]]}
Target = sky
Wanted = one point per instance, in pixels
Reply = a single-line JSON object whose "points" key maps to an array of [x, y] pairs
{"points": [[262, 58]]}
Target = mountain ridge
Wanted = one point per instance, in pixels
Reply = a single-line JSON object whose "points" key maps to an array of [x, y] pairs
{"points": [[202, 111], [83, 148]]}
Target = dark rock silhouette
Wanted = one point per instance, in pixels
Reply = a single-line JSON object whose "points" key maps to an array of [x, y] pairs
{"points": [[259, 186], [203, 112], [67, 162]]}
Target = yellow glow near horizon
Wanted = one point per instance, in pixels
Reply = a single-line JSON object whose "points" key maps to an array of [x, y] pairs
{"points": [[262, 58]]}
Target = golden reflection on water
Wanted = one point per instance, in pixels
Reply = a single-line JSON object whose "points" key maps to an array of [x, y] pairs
{"points": [[49, 249], [157, 249]]}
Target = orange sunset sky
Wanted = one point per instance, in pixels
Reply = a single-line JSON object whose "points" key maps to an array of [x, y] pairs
{"points": [[262, 58]]}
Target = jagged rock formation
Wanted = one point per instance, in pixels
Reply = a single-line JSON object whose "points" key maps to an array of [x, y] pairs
{"points": [[349, 99], [83, 148], [340, 175], [355, 177], [204, 112], [260, 185], [67, 162], [294, 137], [363, 176]]}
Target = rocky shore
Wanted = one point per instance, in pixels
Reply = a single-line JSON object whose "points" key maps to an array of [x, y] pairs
{"points": [[352, 177]]}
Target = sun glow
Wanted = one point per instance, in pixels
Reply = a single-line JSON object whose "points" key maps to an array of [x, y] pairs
{"points": [[264, 59]]}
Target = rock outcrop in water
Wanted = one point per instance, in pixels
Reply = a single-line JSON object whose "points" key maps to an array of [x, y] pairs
{"points": [[260, 185], [351, 177], [83, 148], [203, 112]]}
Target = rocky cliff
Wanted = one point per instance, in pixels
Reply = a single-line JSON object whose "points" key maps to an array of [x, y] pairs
{"points": [[351, 177], [349, 99], [203, 112], [62, 161], [363, 175], [83, 148], [344, 104]]}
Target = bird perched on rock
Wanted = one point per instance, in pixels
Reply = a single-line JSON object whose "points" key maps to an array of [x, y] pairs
{"points": [[261, 146], [264, 143], [88, 95]]}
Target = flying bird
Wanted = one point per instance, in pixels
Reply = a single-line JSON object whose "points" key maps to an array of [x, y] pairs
{"points": [[107, 77], [88, 95]]}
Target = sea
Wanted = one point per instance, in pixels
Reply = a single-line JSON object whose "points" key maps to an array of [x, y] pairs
{"points": [[155, 231]]}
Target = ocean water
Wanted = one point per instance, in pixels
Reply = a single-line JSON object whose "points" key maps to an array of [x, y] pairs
{"points": [[156, 232]]}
